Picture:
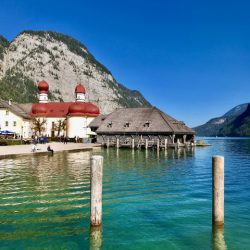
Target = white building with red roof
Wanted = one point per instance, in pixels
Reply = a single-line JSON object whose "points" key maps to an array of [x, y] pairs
{"points": [[63, 118]]}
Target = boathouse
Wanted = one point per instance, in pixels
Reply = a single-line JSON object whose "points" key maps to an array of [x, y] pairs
{"points": [[141, 127]]}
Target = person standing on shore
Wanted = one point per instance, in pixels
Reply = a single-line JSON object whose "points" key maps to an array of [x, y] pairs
{"points": [[65, 140]]}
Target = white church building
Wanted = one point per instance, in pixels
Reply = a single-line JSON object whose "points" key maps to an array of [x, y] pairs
{"points": [[52, 119]]}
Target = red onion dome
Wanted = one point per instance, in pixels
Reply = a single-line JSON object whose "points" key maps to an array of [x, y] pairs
{"points": [[43, 86], [80, 88], [39, 109], [83, 109]]}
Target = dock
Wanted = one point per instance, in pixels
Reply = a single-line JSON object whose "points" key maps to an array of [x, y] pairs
{"points": [[143, 143]]}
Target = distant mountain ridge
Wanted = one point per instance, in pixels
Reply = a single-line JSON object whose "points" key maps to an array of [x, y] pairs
{"points": [[240, 126], [236, 122], [62, 61]]}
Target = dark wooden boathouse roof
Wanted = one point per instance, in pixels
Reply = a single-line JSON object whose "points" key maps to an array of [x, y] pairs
{"points": [[98, 121], [140, 120]]}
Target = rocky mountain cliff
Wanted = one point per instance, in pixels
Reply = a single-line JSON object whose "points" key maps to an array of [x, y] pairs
{"points": [[236, 122], [61, 61]]}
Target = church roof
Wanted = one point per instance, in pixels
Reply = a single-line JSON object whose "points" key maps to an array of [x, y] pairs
{"points": [[43, 86], [61, 109], [80, 88], [141, 120], [83, 108]]}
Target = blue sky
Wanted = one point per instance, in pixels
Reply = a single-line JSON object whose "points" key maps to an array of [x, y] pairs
{"points": [[189, 58]]}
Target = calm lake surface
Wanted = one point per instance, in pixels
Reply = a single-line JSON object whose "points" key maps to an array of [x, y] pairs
{"points": [[150, 200]]}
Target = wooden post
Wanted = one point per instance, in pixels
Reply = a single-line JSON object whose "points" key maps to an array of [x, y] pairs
{"points": [[107, 144], [96, 171], [218, 190], [158, 144], [178, 142], [117, 142], [173, 137], [165, 143], [133, 143], [184, 139], [146, 144]]}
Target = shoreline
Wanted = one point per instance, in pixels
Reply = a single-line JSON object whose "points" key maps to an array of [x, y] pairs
{"points": [[14, 151]]}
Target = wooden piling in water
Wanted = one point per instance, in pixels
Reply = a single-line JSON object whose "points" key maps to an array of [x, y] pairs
{"points": [[146, 144], [165, 143], [178, 143], [117, 143], [96, 171], [218, 190], [133, 143], [107, 144]]}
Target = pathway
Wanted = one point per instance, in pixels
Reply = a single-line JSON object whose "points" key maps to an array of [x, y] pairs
{"points": [[8, 151]]}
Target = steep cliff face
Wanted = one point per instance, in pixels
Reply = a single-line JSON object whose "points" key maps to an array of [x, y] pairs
{"points": [[62, 61], [4, 43]]}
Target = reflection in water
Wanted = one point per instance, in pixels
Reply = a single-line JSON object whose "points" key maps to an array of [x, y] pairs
{"points": [[107, 151], [178, 150], [165, 154], [218, 238], [40, 195], [133, 154], [172, 154], [149, 202], [95, 238], [146, 153], [158, 153], [121, 155]]}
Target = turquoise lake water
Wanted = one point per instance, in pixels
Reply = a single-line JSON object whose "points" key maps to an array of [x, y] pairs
{"points": [[150, 200]]}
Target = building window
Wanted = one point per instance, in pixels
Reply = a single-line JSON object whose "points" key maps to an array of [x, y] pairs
{"points": [[147, 124], [6, 123], [7, 112], [126, 125], [14, 123]]}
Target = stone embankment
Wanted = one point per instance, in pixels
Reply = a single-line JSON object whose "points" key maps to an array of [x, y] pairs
{"points": [[19, 150]]}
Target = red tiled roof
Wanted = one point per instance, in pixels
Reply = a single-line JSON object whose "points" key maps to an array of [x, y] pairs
{"points": [[83, 108], [61, 109]]}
